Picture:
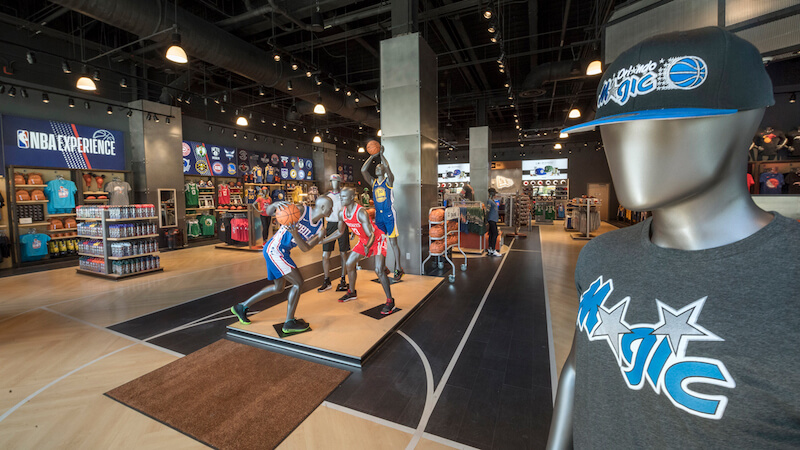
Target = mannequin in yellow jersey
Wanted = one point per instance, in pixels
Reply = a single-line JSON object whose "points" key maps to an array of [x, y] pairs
{"points": [[383, 196]]}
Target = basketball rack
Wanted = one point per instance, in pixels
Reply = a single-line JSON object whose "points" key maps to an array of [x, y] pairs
{"points": [[450, 213]]}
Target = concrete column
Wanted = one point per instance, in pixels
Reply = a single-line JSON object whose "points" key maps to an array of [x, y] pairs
{"points": [[156, 155], [324, 158], [480, 161], [410, 134]]}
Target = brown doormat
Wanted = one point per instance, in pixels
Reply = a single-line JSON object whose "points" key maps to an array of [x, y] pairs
{"points": [[230, 395]]}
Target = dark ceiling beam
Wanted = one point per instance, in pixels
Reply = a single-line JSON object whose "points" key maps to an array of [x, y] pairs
{"points": [[462, 32], [521, 54], [448, 40], [301, 12], [334, 38]]}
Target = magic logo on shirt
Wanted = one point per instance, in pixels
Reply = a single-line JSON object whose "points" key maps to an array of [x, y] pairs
{"points": [[655, 354]]}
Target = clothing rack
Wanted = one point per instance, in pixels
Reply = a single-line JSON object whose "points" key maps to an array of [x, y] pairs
{"points": [[587, 205]]}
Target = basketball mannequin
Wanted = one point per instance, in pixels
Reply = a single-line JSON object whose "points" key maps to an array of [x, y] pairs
{"points": [[372, 242], [305, 234], [383, 196], [344, 241], [670, 314]]}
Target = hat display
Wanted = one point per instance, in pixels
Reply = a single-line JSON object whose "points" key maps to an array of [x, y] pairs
{"points": [[697, 73]]}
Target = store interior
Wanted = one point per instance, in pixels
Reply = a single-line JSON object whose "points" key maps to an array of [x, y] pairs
{"points": [[134, 189]]}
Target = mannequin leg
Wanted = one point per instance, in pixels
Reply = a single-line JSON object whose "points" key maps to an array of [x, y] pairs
{"points": [[397, 255], [326, 264], [352, 274], [380, 264], [296, 280], [268, 291]]}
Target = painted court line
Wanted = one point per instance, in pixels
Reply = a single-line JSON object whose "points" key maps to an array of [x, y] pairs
{"points": [[429, 402], [550, 343], [426, 413]]}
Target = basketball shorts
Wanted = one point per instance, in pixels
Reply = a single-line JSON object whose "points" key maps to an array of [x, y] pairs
{"points": [[378, 246], [344, 240], [279, 261], [386, 223]]}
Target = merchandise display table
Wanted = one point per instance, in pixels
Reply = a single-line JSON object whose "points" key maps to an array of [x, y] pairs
{"points": [[339, 332]]}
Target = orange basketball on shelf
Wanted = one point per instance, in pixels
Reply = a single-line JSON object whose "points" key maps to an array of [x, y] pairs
{"points": [[437, 215], [452, 240], [437, 231], [437, 247], [373, 147], [289, 215]]}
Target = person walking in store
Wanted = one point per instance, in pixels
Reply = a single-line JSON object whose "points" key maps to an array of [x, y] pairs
{"points": [[330, 228], [371, 242], [305, 234], [261, 204], [383, 196], [492, 215]]}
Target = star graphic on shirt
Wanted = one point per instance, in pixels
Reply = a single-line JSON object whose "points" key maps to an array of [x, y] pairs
{"points": [[662, 61], [612, 326], [681, 326]]}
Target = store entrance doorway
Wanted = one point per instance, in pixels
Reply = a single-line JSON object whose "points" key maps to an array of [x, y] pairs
{"points": [[600, 191]]}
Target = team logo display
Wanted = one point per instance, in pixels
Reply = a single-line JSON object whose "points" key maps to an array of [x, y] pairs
{"points": [[186, 165], [301, 163], [186, 149], [231, 169], [655, 354], [23, 139], [301, 175], [293, 174], [200, 151], [675, 73], [243, 155], [284, 173], [201, 166], [503, 182], [217, 168], [244, 167], [275, 159], [229, 153]]}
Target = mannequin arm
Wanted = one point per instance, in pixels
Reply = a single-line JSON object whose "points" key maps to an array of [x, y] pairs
{"points": [[561, 426], [365, 169], [389, 173], [339, 231], [277, 206], [363, 218]]}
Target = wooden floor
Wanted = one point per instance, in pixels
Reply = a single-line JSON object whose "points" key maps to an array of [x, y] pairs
{"points": [[59, 357]]}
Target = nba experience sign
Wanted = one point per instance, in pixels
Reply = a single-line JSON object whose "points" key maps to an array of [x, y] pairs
{"points": [[43, 143]]}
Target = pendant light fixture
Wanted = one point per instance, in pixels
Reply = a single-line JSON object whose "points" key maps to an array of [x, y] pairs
{"points": [[317, 139], [242, 121], [84, 82], [319, 108], [361, 150], [575, 113], [175, 53], [380, 133], [594, 68], [563, 135], [557, 146]]}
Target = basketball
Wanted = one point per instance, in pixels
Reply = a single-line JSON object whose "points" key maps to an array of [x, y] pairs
{"points": [[289, 215], [437, 231], [437, 247], [437, 215], [373, 147]]}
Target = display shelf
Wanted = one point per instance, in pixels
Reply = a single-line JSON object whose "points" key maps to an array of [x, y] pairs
{"points": [[83, 236], [61, 215], [203, 208], [95, 193], [95, 200], [130, 238], [34, 224], [263, 184], [118, 220], [32, 202], [120, 258], [114, 276], [67, 237], [61, 230], [30, 186], [89, 254]]}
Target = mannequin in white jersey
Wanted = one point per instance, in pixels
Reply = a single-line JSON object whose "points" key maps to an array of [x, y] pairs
{"points": [[344, 241]]}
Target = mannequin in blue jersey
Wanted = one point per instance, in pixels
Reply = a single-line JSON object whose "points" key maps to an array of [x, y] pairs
{"points": [[383, 197], [305, 234]]}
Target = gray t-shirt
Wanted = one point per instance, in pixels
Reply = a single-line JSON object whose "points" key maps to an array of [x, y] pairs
{"points": [[118, 193], [688, 349]]}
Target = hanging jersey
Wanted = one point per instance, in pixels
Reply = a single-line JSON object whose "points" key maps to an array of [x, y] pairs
{"points": [[207, 224], [269, 174], [250, 195], [192, 195], [224, 194], [258, 174]]}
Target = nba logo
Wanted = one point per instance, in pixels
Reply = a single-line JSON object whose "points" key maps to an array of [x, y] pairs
{"points": [[22, 139]]}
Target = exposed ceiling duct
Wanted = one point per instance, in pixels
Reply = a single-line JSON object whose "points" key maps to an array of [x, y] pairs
{"points": [[210, 43], [548, 73]]}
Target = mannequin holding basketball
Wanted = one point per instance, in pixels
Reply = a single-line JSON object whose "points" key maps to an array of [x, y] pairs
{"points": [[372, 242], [301, 226], [670, 332], [383, 197]]}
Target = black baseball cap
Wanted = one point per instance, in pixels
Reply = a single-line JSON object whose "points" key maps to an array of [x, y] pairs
{"points": [[697, 73]]}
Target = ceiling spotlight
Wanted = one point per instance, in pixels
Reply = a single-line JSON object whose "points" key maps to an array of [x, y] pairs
{"points": [[242, 121], [109, 110], [216, 100], [188, 99], [594, 68], [71, 102], [317, 139], [175, 53], [380, 133], [86, 105], [155, 117], [84, 82], [255, 137], [123, 83], [349, 93], [361, 150], [130, 113], [337, 87], [263, 119], [295, 66], [793, 98], [505, 85], [563, 135], [356, 99], [235, 133], [96, 75], [261, 91], [167, 119], [501, 57], [65, 67], [244, 136], [45, 97], [222, 131], [276, 56], [31, 57], [491, 28], [319, 108], [274, 123], [180, 97], [502, 70], [308, 74], [575, 113], [222, 108], [557, 146], [317, 80], [289, 85], [210, 128], [487, 13]]}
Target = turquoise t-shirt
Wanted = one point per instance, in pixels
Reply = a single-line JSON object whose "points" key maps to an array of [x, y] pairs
{"points": [[34, 246]]}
